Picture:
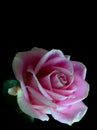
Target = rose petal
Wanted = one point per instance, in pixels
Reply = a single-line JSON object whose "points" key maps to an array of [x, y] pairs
{"points": [[55, 81], [79, 69], [66, 64], [38, 85], [50, 55], [27, 108], [67, 73], [83, 87], [36, 95], [24, 59], [45, 81], [66, 92], [24, 88], [73, 113], [56, 96], [44, 109], [81, 92], [59, 61]]}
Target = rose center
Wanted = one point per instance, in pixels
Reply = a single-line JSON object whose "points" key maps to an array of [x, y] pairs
{"points": [[62, 79], [59, 80]]}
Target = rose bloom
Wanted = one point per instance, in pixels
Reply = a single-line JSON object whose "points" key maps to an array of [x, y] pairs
{"points": [[50, 83]]}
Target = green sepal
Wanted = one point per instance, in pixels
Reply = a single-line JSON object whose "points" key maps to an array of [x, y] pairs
{"points": [[9, 84]]}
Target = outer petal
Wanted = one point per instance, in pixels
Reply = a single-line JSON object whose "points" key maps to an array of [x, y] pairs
{"points": [[27, 108], [71, 114], [23, 59], [79, 69]]}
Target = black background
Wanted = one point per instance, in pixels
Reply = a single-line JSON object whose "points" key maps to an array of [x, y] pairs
{"points": [[75, 36]]}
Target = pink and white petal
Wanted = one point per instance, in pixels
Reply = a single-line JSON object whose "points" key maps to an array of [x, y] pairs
{"points": [[67, 73], [79, 69], [60, 62], [67, 67], [45, 71], [66, 92], [45, 109], [45, 81], [83, 88], [18, 67], [23, 59], [55, 81], [38, 85], [40, 98], [24, 89], [28, 109], [70, 115], [66, 64], [80, 93], [49, 55], [56, 96]]}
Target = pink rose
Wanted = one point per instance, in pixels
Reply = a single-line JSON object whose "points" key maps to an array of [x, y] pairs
{"points": [[50, 83]]}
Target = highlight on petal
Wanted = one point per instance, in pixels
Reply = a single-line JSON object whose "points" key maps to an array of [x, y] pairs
{"points": [[24, 88], [28, 109], [71, 114], [79, 69]]}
